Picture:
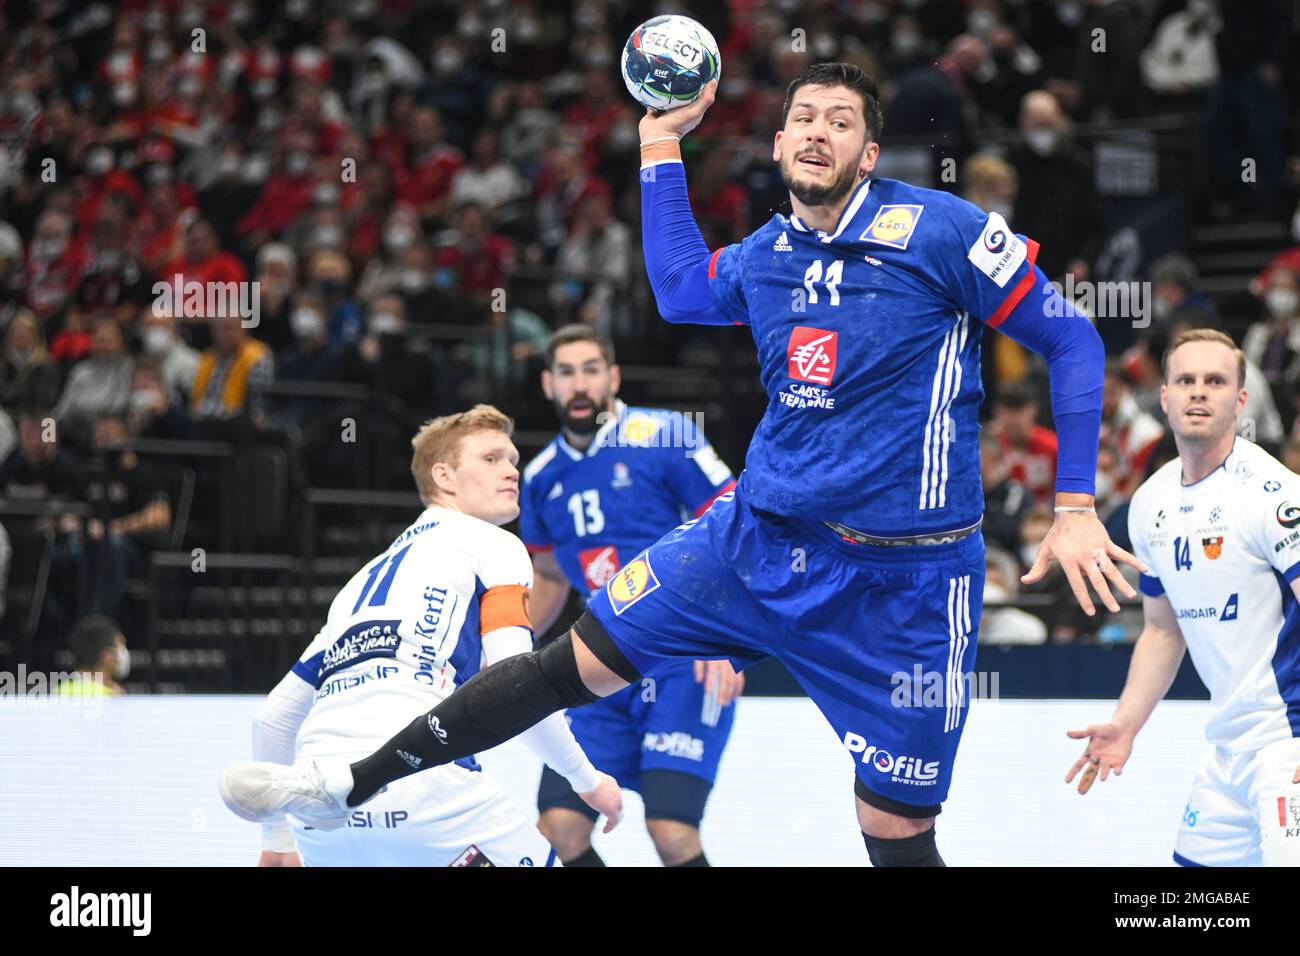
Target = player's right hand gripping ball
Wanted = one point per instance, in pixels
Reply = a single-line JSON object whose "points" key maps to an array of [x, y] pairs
{"points": [[667, 62]]}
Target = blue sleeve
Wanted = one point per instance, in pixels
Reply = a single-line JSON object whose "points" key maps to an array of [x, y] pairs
{"points": [[1044, 321], [309, 668], [1150, 586], [687, 282], [695, 473], [531, 530]]}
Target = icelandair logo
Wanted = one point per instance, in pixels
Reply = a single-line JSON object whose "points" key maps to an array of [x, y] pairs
{"points": [[1229, 612]]}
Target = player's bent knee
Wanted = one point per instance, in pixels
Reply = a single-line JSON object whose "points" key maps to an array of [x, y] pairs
{"points": [[567, 830], [675, 842], [603, 666], [881, 816]]}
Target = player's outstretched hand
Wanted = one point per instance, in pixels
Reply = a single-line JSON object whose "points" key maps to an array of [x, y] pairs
{"points": [[1109, 747], [271, 858], [721, 680], [678, 122], [1079, 542], [607, 798]]}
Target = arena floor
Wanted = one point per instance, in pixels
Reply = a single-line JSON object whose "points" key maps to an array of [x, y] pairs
{"points": [[134, 784]]}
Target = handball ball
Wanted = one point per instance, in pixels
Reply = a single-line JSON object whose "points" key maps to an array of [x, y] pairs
{"points": [[668, 60]]}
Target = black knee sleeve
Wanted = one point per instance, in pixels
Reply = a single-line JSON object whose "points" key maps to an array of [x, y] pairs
{"points": [[491, 707], [918, 850]]}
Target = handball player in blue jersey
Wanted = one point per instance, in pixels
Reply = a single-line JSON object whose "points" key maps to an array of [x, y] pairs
{"points": [[850, 548], [602, 491]]}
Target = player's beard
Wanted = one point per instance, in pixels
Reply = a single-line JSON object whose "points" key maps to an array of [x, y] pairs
{"points": [[817, 194], [582, 425]]}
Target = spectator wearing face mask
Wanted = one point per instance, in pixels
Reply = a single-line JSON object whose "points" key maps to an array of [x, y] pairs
{"points": [[155, 412], [1273, 343], [160, 341], [384, 272], [1056, 203], [98, 385], [276, 275], [330, 275], [286, 195], [395, 366], [311, 357], [471, 261], [27, 375], [55, 264], [100, 657], [101, 178]]}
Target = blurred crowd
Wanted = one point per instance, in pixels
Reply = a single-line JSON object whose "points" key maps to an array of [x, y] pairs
{"points": [[422, 190]]}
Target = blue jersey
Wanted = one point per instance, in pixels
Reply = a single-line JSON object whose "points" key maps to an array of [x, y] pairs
{"points": [[869, 344], [645, 472]]}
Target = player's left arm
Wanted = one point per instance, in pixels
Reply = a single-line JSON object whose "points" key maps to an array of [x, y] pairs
{"points": [[697, 477], [996, 279], [507, 632]]}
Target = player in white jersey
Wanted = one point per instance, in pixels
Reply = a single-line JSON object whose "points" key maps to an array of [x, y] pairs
{"points": [[1219, 530], [449, 594]]}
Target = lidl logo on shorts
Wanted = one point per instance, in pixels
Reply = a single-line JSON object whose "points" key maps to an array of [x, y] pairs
{"points": [[893, 225], [631, 584]]}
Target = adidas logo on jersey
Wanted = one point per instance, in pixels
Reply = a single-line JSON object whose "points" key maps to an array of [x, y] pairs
{"points": [[410, 759], [782, 244]]}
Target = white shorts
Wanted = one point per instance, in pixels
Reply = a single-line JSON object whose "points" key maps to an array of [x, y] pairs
{"points": [[1244, 810], [447, 816]]}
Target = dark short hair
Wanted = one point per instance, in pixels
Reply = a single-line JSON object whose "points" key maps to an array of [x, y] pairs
{"points": [[579, 332], [91, 637], [1014, 396], [841, 74]]}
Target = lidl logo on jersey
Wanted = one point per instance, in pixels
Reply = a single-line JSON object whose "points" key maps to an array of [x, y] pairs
{"points": [[998, 252], [676, 744], [811, 355], [893, 225], [599, 565], [632, 584], [361, 642], [1288, 515], [901, 769]]}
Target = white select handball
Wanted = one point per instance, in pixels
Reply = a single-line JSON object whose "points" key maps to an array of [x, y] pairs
{"points": [[668, 60]]}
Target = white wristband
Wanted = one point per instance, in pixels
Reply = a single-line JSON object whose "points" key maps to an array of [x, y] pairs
{"points": [[1065, 509]]}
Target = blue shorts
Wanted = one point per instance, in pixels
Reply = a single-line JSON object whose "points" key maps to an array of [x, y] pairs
{"points": [[881, 638], [663, 724]]}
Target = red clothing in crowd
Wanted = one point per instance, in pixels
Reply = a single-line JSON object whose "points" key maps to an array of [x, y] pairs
{"points": [[1033, 464], [478, 271], [284, 198], [50, 284], [98, 188], [429, 178], [725, 211], [218, 267]]}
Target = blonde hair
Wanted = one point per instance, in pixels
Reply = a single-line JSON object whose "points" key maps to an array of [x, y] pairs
{"points": [[439, 440], [1206, 335]]}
